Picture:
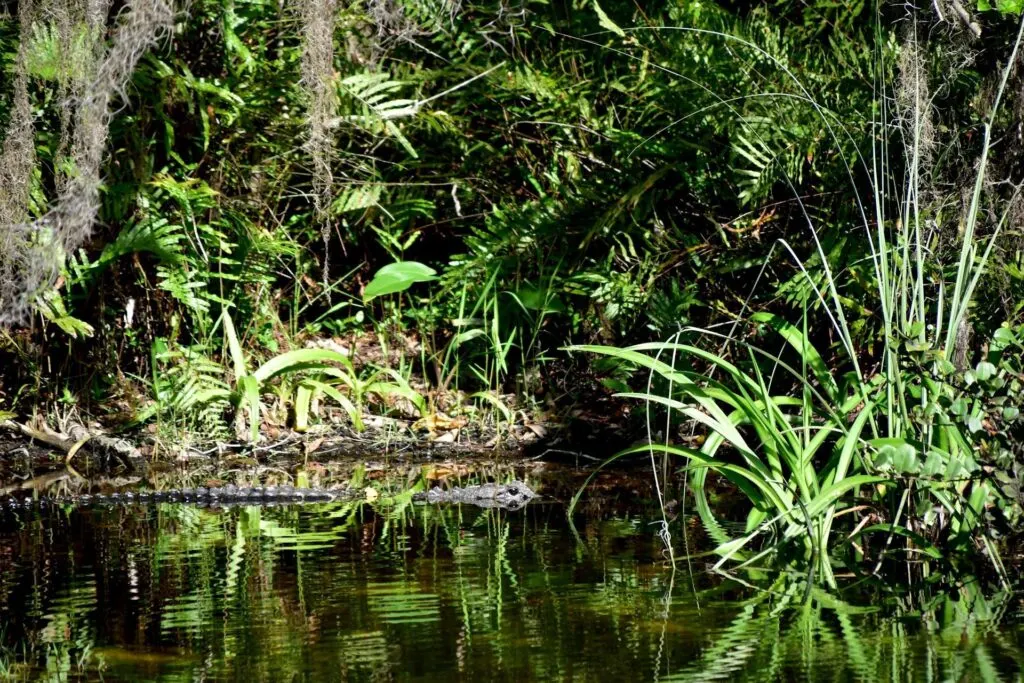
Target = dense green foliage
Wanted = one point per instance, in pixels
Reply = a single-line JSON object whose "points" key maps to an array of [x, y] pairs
{"points": [[818, 201], [590, 185]]}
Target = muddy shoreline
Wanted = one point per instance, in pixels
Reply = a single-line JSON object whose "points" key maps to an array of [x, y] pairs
{"points": [[327, 461]]}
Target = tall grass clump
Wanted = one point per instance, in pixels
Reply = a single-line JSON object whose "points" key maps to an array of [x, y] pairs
{"points": [[890, 440]]}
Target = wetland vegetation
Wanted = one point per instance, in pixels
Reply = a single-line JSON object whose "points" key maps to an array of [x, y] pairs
{"points": [[357, 592], [736, 287]]}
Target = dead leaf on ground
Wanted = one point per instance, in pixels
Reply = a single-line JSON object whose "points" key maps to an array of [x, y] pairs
{"points": [[448, 437], [537, 429]]}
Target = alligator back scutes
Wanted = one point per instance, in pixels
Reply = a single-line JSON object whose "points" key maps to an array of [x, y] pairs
{"points": [[511, 496], [213, 496]]}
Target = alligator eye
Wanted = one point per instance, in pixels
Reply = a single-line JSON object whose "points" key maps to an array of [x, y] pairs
{"points": [[514, 490]]}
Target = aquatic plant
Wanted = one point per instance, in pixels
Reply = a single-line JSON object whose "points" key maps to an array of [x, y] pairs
{"points": [[803, 459]]}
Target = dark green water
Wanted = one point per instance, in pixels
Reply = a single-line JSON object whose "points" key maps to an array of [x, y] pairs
{"points": [[350, 592]]}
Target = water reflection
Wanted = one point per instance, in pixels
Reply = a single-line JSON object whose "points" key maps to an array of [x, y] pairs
{"points": [[353, 592]]}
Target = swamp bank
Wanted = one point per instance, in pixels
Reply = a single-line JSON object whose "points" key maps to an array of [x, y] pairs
{"points": [[300, 303]]}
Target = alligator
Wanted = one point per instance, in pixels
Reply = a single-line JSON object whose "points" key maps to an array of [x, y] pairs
{"points": [[511, 496]]}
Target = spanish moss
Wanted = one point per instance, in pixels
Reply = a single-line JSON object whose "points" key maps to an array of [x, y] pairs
{"points": [[320, 85]]}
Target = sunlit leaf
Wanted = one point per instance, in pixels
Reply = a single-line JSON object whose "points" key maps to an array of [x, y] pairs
{"points": [[398, 277]]}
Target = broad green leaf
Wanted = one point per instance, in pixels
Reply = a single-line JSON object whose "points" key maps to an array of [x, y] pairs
{"points": [[710, 406], [850, 443], [896, 455], [795, 338], [830, 494], [298, 360], [303, 399], [724, 427], [398, 277], [984, 371], [463, 337], [974, 424], [341, 399], [1004, 336], [234, 345]]}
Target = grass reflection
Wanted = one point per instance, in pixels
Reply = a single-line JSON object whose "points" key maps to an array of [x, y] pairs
{"points": [[363, 591]]}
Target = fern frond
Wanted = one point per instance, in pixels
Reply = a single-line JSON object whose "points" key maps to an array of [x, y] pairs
{"points": [[51, 306], [378, 109]]}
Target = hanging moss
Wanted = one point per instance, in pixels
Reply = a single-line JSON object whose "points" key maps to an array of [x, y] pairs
{"points": [[397, 21], [32, 251], [318, 18], [79, 28], [17, 161]]}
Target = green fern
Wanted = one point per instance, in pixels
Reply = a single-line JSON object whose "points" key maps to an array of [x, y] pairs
{"points": [[187, 381], [377, 108], [51, 306], [44, 58]]}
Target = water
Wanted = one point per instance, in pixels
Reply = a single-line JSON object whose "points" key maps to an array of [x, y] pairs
{"points": [[413, 592]]}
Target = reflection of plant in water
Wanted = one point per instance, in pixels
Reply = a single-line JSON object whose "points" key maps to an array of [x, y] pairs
{"points": [[64, 643], [11, 666], [792, 630], [357, 590]]}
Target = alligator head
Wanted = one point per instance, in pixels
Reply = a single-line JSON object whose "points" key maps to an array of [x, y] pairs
{"points": [[512, 496]]}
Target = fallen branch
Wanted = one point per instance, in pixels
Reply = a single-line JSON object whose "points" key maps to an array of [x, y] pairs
{"points": [[78, 435], [36, 483], [44, 483], [966, 18]]}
